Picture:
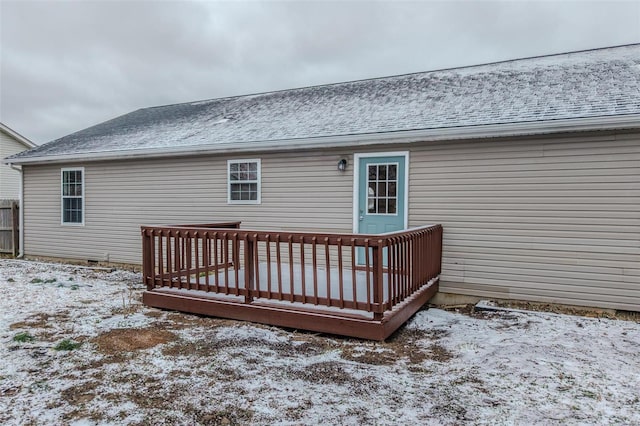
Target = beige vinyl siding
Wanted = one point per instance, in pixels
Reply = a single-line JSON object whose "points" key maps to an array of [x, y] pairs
{"points": [[298, 193], [9, 178], [553, 219]]}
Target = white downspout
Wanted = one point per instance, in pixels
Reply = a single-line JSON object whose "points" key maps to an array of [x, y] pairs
{"points": [[21, 216]]}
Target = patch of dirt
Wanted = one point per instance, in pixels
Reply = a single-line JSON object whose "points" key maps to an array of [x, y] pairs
{"points": [[180, 320], [127, 309], [439, 353], [407, 343], [41, 320], [26, 324], [148, 392], [468, 309], [516, 324], [362, 414], [10, 391], [310, 345], [228, 374], [323, 373], [373, 355], [570, 310], [296, 413], [366, 386], [628, 316], [229, 416], [408, 335], [450, 408], [81, 394], [81, 413], [172, 320], [557, 309], [131, 339], [115, 358], [201, 347]]}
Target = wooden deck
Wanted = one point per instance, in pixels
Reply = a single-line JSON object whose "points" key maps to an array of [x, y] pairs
{"points": [[350, 284]]}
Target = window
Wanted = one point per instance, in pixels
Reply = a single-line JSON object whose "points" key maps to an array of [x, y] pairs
{"points": [[244, 181], [382, 182], [72, 196]]}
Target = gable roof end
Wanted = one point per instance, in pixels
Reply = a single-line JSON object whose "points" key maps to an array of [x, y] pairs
{"points": [[17, 136]]}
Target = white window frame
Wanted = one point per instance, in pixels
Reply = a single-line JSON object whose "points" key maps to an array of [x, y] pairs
{"points": [[62, 196], [258, 181]]}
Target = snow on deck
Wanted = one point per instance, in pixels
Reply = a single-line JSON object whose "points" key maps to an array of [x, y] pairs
{"points": [[282, 283], [327, 283]]}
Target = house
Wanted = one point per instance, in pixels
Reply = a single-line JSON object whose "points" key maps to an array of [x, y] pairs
{"points": [[11, 142], [532, 166]]}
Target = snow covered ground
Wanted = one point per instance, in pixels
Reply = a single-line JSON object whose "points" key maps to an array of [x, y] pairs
{"points": [[137, 365]]}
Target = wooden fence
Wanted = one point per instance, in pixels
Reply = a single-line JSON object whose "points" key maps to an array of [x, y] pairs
{"points": [[9, 227]]}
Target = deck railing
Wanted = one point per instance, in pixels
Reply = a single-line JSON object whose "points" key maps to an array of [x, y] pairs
{"points": [[371, 273]]}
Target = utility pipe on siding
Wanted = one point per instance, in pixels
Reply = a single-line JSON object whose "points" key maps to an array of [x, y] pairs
{"points": [[21, 216]]}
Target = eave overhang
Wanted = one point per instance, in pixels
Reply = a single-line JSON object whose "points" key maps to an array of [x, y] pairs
{"points": [[532, 128]]}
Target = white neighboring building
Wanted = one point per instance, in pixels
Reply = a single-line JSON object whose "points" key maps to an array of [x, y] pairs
{"points": [[11, 143]]}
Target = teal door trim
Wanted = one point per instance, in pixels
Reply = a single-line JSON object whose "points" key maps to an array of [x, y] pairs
{"points": [[357, 184]]}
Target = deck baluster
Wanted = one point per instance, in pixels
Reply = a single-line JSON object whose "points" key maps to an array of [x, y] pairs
{"points": [[160, 258], [367, 272], [268, 249], [279, 262], [216, 268], [314, 254], [249, 271], [340, 273], [206, 246], [354, 278], [302, 270], [377, 280], [328, 269], [255, 288]]}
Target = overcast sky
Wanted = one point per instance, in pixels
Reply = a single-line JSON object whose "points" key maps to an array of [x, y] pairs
{"points": [[68, 65]]}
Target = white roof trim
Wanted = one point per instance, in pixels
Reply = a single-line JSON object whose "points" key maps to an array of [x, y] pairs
{"points": [[620, 122], [17, 136]]}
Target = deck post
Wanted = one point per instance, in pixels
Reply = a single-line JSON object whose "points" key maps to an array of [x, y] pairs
{"points": [[146, 258], [249, 270], [378, 291], [438, 257], [236, 247]]}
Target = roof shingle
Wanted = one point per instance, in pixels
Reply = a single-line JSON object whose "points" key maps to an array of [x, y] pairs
{"points": [[595, 83]]}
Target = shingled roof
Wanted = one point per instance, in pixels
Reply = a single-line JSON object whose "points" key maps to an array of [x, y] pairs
{"points": [[518, 94]]}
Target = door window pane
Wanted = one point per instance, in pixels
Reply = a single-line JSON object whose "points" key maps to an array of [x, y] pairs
{"points": [[393, 170], [391, 206], [382, 188]]}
